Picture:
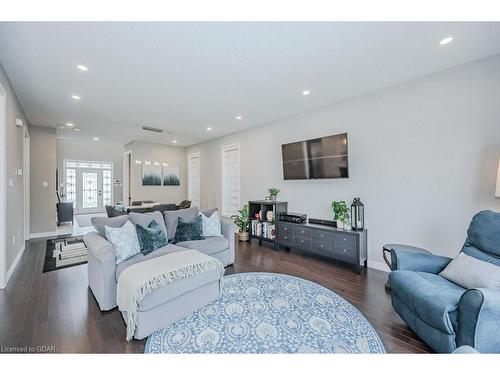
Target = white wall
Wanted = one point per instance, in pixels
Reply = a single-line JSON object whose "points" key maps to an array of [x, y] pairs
{"points": [[43, 169], [161, 153], [14, 213], [423, 158], [89, 150]]}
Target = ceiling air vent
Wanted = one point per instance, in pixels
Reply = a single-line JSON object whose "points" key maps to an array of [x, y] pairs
{"points": [[150, 129]]}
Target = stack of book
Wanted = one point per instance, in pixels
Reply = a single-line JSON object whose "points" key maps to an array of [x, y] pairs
{"points": [[264, 229]]}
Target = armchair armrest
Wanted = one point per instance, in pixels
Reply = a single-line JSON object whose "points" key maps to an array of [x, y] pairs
{"points": [[479, 320], [228, 230], [419, 260], [101, 256]]}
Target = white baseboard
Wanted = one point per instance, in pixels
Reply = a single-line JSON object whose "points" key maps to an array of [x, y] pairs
{"points": [[43, 234], [14, 265], [378, 266]]}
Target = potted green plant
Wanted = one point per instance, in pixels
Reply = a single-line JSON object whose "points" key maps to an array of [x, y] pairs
{"points": [[340, 214], [242, 221], [273, 192]]}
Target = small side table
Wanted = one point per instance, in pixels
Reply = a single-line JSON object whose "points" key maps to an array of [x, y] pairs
{"points": [[386, 254]]}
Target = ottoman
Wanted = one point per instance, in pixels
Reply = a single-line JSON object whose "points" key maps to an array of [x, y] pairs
{"points": [[177, 299]]}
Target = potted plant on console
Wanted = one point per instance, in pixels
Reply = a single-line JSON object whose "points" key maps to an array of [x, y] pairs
{"points": [[242, 221], [273, 192], [341, 214]]}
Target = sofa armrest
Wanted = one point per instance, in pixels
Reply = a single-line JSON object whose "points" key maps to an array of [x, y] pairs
{"points": [[228, 230], [479, 320], [403, 259], [101, 268]]}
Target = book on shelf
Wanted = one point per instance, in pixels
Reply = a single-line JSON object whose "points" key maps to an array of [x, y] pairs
{"points": [[265, 229]]}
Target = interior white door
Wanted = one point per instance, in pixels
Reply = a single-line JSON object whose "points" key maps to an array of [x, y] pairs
{"points": [[89, 186]]}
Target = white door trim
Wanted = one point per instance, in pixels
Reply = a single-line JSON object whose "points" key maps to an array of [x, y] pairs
{"points": [[3, 185], [127, 178], [194, 155], [26, 180]]}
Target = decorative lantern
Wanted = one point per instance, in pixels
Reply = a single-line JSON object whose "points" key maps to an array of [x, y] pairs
{"points": [[357, 214]]}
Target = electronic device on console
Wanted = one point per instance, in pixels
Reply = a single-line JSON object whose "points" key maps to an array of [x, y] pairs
{"points": [[293, 217]]}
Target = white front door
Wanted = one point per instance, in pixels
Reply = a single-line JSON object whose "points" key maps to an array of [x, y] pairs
{"points": [[89, 190]]}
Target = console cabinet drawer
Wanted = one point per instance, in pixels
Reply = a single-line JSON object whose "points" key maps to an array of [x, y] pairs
{"points": [[302, 233], [345, 253], [285, 228], [342, 240], [285, 238], [302, 243]]}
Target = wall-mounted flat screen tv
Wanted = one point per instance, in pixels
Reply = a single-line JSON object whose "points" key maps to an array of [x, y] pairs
{"points": [[324, 157]]}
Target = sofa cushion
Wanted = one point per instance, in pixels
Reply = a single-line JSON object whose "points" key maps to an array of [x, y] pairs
{"points": [[172, 217], [124, 240], [209, 246], [145, 219], [189, 230], [100, 222], [431, 297], [141, 257], [151, 237]]}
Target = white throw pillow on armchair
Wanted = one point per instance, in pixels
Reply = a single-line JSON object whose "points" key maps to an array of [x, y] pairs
{"points": [[469, 272]]}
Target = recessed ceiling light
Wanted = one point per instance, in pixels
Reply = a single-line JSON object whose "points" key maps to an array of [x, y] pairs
{"points": [[76, 97], [83, 68], [239, 118], [69, 124], [209, 129], [174, 141], [61, 127], [446, 40], [306, 92], [95, 139], [76, 129]]}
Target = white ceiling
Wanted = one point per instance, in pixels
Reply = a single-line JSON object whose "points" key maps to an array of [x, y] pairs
{"points": [[184, 77]]}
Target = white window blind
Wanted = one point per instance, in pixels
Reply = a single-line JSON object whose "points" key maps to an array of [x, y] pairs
{"points": [[194, 179], [230, 180]]}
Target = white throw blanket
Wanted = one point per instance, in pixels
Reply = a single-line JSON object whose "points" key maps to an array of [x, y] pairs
{"points": [[141, 279]]}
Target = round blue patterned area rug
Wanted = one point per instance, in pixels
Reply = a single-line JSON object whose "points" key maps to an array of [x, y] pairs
{"points": [[270, 313]]}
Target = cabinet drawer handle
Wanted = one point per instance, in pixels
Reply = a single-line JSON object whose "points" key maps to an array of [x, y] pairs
{"points": [[345, 251], [321, 235], [285, 237], [301, 231], [302, 241], [345, 239], [321, 246]]}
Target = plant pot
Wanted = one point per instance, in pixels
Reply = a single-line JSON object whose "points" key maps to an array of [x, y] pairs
{"points": [[243, 236], [273, 197]]}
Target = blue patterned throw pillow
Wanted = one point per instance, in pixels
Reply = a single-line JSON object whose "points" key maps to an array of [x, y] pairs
{"points": [[189, 230], [124, 240], [151, 237]]}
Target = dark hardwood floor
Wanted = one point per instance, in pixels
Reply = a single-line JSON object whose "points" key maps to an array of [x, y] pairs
{"points": [[56, 311]]}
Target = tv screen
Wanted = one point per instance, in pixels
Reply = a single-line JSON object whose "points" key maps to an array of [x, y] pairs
{"points": [[316, 158]]}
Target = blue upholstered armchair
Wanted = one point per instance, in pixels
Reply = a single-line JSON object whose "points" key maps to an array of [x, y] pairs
{"points": [[442, 313]]}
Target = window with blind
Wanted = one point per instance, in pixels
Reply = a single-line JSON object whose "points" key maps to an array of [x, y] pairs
{"points": [[230, 180], [194, 179]]}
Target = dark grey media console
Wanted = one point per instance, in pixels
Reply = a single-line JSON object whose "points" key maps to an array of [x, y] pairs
{"points": [[330, 242]]}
